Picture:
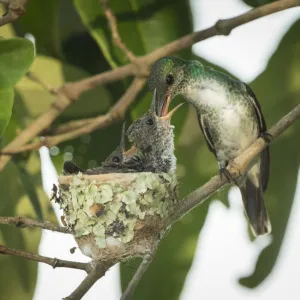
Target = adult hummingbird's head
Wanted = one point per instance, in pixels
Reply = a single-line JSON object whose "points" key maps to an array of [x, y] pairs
{"points": [[170, 76], [150, 128]]}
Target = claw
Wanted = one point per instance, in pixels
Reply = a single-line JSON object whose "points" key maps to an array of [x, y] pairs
{"points": [[267, 137], [225, 172]]}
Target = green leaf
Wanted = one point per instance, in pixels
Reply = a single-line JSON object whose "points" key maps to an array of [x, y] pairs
{"points": [[16, 56], [6, 103], [278, 90]]}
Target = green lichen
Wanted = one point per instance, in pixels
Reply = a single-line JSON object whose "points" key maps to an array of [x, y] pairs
{"points": [[119, 208]]}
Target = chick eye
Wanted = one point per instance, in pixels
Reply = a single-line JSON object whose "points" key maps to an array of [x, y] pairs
{"points": [[149, 121], [169, 79], [116, 159]]}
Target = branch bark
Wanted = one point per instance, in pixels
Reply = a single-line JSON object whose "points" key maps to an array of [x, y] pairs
{"points": [[112, 22], [147, 259], [97, 272], [236, 168], [23, 222], [54, 262], [16, 9], [70, 92]]}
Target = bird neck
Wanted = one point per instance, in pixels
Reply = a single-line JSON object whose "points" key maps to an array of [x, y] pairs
{"points": [[162, 155], [208, 92]]}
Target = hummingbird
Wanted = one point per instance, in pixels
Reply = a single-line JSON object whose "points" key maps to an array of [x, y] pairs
{"points": [[114, 163], [230, 118], [152, 135]]}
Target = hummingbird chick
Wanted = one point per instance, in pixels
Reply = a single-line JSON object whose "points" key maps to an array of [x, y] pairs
{"points": [[114, 163], [230, 118], [152, 135]]}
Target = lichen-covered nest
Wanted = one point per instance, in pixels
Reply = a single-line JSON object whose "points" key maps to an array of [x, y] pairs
{"points": [[116, 216]]}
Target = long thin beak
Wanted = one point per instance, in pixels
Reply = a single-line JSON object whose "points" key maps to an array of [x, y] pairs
{"points": [[153, 102], [169, 115], [165, 106], [122, 142]]}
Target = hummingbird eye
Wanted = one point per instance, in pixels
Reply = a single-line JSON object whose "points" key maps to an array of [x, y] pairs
{"points": [[149, 121], [116, 159], [169, 79]]}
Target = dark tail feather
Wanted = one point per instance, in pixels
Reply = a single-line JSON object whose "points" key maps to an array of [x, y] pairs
{"points": [[265, 168], [255, 207], [71, 168]]}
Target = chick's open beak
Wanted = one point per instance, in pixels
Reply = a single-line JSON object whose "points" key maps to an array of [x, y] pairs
{"points": [[130, 152], [169, 115]]}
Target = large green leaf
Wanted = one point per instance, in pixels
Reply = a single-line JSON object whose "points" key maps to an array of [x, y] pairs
{"points": [[278, 90], [16, 56], [6, 103]]}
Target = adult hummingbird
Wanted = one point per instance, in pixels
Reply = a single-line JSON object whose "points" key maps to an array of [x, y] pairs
{"points": [[230, 118], [152, 135]]}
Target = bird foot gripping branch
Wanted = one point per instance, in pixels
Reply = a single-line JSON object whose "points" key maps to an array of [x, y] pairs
{"points": [[117, 216]]}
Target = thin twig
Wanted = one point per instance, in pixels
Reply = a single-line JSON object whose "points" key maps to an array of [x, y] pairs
{"points": [[31, 76], [112, 22], [23, 222], [72, 125], [237, 167], [16, 9], [54, 262], [70, 93], [147, 259], [97, 272]]}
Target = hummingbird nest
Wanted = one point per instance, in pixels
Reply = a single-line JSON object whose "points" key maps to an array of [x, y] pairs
{"points": [[117, 216]]}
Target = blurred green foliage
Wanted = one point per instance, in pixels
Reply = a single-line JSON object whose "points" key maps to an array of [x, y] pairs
{"points": [[73, 41], [16, 56]]}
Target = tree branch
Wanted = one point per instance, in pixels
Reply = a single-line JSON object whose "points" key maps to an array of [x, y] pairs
{"points": [[222, 27], [97, 272], [54, 262], [147, 259], [23, 222], [237, 167], [112, 22], [70, 92], [16, 9]]}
